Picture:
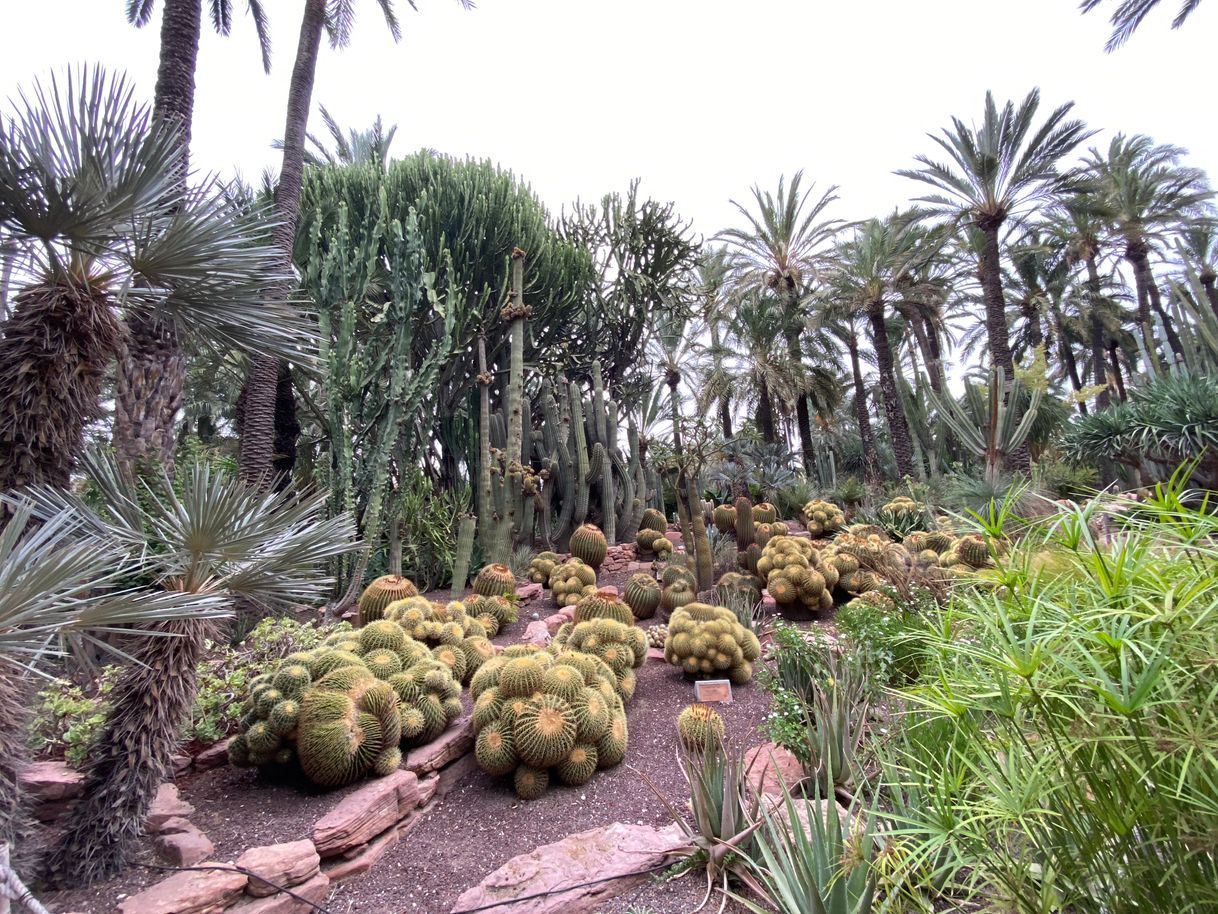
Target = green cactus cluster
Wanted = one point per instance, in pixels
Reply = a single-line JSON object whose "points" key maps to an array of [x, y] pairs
{"points": [[642, 595], [347, 709], [699, 727], [763, 533], [708, 641], [736, 586], [455, 638], [653, 542], [494, 580], [541, 566], [541, 715], [492, 612], [795, 574], [603, 604], [678, 587], [823, 518], [571, 581], [764, 513], [380, 593], [622, 647], [657, 635], [588, 544]]}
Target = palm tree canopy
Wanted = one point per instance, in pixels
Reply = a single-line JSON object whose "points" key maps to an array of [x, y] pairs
{"points": [[139, 14], [90, 189], [1129, 14], [1006, 163]]}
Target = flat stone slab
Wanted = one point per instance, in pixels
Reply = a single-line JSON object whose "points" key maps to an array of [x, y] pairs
{"points": [[192, 892], [287, 864], [358, 860], [537, 632], [49, 782], [612, 850], [528, 592], [165, 806], [456, 741], [365, 813], [185, 846], [315, 890], [214, 756], [769, 766], [655, 653]]}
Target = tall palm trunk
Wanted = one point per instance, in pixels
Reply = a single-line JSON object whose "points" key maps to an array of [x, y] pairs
{"points": [[933, 370], [1136, 252], [871, 463], [1031, 317], [803, 417], [898, 428], [151, 365], [54, 352], [997, 333], [130, 758], [725, 416], [17, 827], [1114, 359], [261, 382], [1099, 376], [1207, 282], [765, 413]]}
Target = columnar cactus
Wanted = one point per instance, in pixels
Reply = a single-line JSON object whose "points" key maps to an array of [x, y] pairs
{"points": [[707, 641], [699, 727], [642, 595], [380, 593], [823, 518], [540, 717], [588, 545], [494, 581], [744, 523]]}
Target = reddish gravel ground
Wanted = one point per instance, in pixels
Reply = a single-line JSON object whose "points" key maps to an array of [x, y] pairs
{"points": [[480, 825]]}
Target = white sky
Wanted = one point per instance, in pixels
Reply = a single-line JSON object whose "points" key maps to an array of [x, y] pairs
{"points": [[701, 98]]}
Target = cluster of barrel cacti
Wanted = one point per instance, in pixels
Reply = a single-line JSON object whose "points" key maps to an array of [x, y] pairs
{"points": [[651, 539], [571, 581], [960, 556], [541, 566], [380, 593], [678, 587], [622, 646], [458, 640], [657, 635], [642, 595], [903, 516], [492, 613], [699, 727], [735, 586], [708, 641], [795, 574], [823, 518], [347, 709], [540, 715]]}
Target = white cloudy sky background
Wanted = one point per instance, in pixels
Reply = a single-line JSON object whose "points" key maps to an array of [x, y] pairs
{"points": [[701, 98]]}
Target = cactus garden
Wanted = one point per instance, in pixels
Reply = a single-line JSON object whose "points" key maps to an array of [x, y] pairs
{"points": [[447, 523]]}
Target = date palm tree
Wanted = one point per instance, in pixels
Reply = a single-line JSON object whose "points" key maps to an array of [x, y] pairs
{"points": [[1146, 193], [219, 537], [1129, 14], [782, 252], [151, 369], [262, 383], [837, 320], [994, 172], [92, 205], [59, 587]]}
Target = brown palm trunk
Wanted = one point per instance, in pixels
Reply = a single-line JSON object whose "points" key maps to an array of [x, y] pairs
{"points": [[151, 369], [1135, 253], [898, 428], [928, 355], [871, 463], [261, 383], [130, 757], [1115, 361], [725, 416], [998, 335], [1207, 282], [1032, 317], [765, 413], [1099, 376]]}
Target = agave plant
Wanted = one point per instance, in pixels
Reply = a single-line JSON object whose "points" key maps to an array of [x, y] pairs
{"points": [[988, 423], [60, 588], [219, 538]]}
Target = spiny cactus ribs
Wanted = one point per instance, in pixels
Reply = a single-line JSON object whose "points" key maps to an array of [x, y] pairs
{"points": [[571, 581], [380, 593], [706, 640], [588, 544], [346, 710], [643, 595], [495, 581], [699, 727], [823, 518]]}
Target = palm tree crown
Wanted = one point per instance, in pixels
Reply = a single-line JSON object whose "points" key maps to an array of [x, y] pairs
{"points": [[1129, 15]]}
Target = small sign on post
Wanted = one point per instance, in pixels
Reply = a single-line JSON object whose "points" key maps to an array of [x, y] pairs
{"points": [[716, 690]]}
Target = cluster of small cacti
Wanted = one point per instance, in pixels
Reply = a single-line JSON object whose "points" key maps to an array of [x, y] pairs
{"points": [[495, 581], [678, 587], [571, 581], [736, 586], [622, 647], [651, 539], [588, 544], [902, 506], [348, 708], [699, 727], [541, 566], [642, 595], [823, 518], [538, 714], [603, 604], [657, 635], [456, 639], [708, 640], [380, 593], [795, 574], [763, 533], [492, 612], [875, 598]]}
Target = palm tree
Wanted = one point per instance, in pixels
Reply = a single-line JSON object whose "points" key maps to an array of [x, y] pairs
{"points": [[91, 202], [152, 366], [838, 320], [335, 18], [1200, 245], [220, 538], [1145, 192], [995, 172], [1129, 15], [783, 251], [351, 147], [55, 586], [716, 383], [874, 270]]}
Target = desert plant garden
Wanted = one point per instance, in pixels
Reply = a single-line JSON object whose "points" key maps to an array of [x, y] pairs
{"points": [[377, 539]]}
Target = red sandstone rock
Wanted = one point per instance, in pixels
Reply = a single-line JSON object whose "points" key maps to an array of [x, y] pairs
{"points": [[366, 812], [184, 846], [214, 756], [528, 592], [536, 633], [555, 622], [427, 788], [655, 653], [46, 782], [286, 865], [612, 850], [192, 892], [450, 745], [315, 890], [358, 860], [766, 764], [167, 805]]}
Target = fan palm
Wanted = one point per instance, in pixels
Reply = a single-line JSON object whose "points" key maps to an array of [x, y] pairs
{"points": [[151, 370], [1145, 192], [335, 18], [783, 250], [1129, 14], [218, 538], [90, 201], [55, 585], [994, 172]]}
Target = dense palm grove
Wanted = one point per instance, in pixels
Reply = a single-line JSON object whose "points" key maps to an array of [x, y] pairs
{"points": [[379, 392]]}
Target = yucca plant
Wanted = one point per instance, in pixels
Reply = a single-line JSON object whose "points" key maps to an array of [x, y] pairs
{"points": [[218, 538], [60, 587]]}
